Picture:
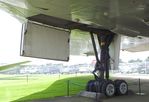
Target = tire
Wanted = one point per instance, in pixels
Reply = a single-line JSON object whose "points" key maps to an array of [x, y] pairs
{"points": [[94, 86], [121, 87], [108, 88], [90, 86], [98, 85]]}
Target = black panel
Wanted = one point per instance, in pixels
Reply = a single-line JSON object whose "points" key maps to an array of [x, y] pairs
{"points": [[66, 24]]}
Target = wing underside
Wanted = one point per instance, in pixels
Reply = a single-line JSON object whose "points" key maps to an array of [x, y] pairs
{"points": [[127, 17]]}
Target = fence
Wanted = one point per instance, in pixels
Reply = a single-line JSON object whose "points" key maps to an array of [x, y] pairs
{"points": [[74, 87], [137, 86]]}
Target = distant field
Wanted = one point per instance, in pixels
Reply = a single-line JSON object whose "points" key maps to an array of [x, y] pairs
{"points": [[28, 87]]}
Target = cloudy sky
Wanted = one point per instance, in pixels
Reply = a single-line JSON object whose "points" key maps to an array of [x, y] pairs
{"points": [[10, 34]]}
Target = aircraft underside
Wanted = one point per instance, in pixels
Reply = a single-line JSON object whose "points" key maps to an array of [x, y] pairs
{"points": [[102, 18], [31, 47]]}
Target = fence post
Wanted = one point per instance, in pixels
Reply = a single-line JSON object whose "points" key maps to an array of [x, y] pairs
{"points": [[68, 82], [27, 78], [139, 86], [59, 75], [140, 91]]}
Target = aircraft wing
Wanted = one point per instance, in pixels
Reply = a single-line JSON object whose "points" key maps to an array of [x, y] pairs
{"points": [[123, 17], [127, 17], [22, 9], [135, 44], [12, 65]]}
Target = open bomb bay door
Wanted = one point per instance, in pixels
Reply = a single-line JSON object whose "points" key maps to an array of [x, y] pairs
{"points": [[43, 41]]}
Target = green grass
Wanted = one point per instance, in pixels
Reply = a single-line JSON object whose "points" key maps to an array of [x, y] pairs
{"points": [[20, 88]]}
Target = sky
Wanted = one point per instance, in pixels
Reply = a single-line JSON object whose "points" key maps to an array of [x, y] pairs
{"points": [[10, 35]]}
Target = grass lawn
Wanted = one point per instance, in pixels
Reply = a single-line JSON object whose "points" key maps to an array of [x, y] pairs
{"points": [[23, 88]]}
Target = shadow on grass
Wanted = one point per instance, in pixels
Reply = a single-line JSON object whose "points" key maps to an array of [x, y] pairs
{"points": [[59, 88]]}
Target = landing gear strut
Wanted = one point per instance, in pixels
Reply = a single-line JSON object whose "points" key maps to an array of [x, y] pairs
{"points": [[102, 83]]}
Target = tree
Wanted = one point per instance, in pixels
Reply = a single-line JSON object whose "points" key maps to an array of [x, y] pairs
{"points": [[137, 60], [121, 61], [147, 59], [131, 61]]}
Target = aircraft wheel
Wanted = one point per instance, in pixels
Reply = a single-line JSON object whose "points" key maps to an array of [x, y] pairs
{"points": [[98, 85], [94, 86], [121, 87], [108, 88], [90, 86]]}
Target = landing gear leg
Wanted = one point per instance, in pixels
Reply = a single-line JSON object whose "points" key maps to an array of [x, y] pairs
{"points": [[103, 64], [102, 83]]}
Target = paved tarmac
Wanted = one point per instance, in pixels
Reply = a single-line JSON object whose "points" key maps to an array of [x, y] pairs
{"points": [[68, 99]]}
